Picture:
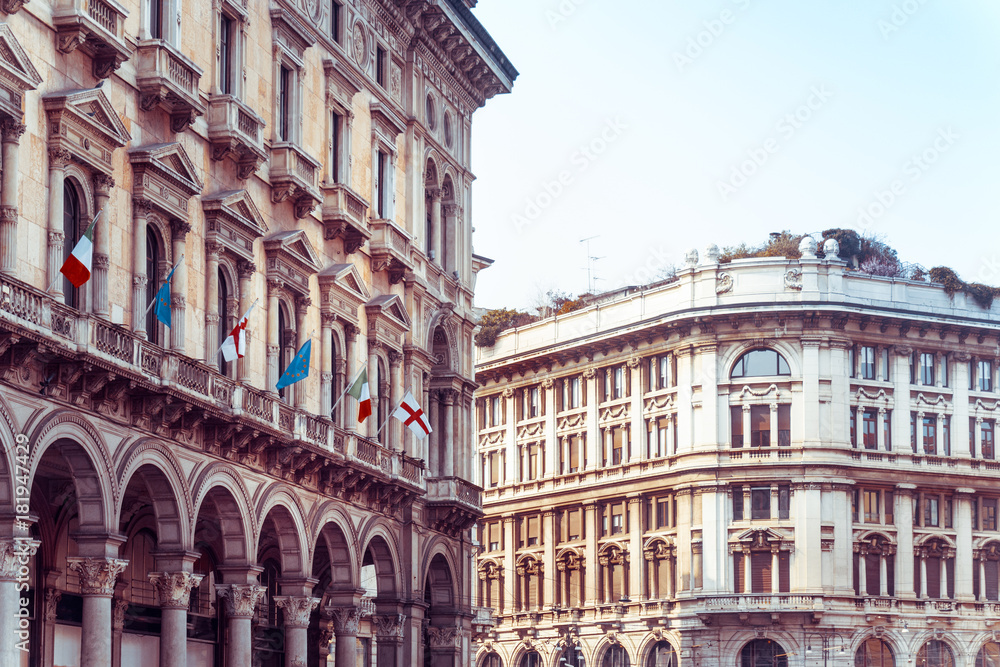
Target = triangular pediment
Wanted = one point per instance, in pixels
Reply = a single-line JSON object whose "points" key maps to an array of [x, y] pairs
{"points": [[391, 306], [233, 220], [92, 109], [759, 536], [169, 160], [343, 291], [291, 259], [19, 72]]}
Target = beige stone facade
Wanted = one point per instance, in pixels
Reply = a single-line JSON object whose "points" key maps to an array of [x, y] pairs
{"points": [[767, 462], [309, 160]]}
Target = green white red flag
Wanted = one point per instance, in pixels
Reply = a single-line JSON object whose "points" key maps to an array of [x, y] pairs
{"points": [[78, 266], [360, 391]]}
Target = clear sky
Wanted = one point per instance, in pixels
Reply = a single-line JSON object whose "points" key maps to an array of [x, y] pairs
{"points": [[662, 125]]}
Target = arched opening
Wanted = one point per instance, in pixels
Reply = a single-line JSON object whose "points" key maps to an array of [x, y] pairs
{"points": [[153, 260], [935, 653], [661, 563], [225, 323], [382, 405], [569, 579], [874, 652], [448, 225], [614, 563], [935, 564], [378, 571], [986, 573], [989, 655], [760, 363], [530, 659], [763, 653], [333, 568], [440, 350], [72, 230], [529, 583], [875, 567], [572, 656], [440, 597], [616, 656], [490, 660], [286, 348], [432, 212], [662, 655]]}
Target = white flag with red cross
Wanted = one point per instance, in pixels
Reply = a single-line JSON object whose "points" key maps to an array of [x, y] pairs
{"points": [[412, 416]]}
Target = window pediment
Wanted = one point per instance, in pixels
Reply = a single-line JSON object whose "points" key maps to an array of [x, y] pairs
{"points": [[85, 123], [385, 123], [291, 259], [232, 219], [17, 74], [758, 538], [387, 319], [343, 291], [290, 33], [165, 176], [341, 84]]}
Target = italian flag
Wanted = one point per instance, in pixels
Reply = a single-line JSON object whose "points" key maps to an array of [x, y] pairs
{"points": [[359, 390], [77, 266]]}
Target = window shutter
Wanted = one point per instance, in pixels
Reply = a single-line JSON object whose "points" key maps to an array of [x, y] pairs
{"points": [[992, 576], [873, 574], [933, 577], [532, 601], [760, 565], [738, 572], [784, 573]]}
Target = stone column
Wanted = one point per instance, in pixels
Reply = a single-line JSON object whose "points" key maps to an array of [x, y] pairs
{"points": [[241, 600], [982, 577], [435, 194], [923, 573], [118, 610], [173, 592], [297, 611], [212, 314], [345, 625], [246, 271], [747, 573], [548, 585], [977, 439], [433, 463], [775, 572], [102, 243], [810, 394], [863, 572], [634, 507], [944, 576], [15, 557], [302, 334], [11, 131], [373, 389], [273, 290], [58, 159], [326, 366], [140, 209], [447, 451], [178, 285], [389, 639], [590, 553], [508, 562], [593, 437], [939, 447], [747, 435], [97, 586], [904, 538], [883, 575], [397, 431], [964, 497], [47, 643], [653, 581], [880, 443]]}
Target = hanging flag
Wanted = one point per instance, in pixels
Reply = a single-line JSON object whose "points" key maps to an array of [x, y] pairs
{"points": [[77, 266], [411, 415], [360, 391], [235, 345], [298, 369], [162, 307]]}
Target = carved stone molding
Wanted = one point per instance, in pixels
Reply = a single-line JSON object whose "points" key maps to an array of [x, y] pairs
{"points": [[241, 599], [297, 609], [389, 627], [52, 597], [346, 620], [15, 554], [97, 575], [444, 637], [173, 589]]}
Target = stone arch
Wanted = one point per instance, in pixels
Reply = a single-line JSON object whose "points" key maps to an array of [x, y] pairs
{"points": [[379, 538], [8, 443], [282, 507], [979, 641], [892, 638], [727, 359], [935, 537], [333, 532], [730, 649], [432, 177], [921, 638], [611, 640], [152, 465], [648, 643], [83, 449], [220, 489], [163, 235], [80, 179], [440, 583], [527, 646]]}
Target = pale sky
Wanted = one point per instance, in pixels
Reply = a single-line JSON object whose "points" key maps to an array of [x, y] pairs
{"points": [[675, 124]]}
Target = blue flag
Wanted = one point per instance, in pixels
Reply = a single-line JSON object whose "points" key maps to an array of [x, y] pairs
{"points": [[163, 300], [298, 369]]}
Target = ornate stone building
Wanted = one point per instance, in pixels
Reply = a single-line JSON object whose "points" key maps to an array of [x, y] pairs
{"points": [[159, 505], [764, 463]]}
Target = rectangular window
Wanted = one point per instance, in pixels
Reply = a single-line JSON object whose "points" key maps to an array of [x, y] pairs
{"points": [[948, 513], [784, 426], [854, 426], [946, 435], [945, 370], [573, 442], [932, 514], [885, 365], [890, 499], [913, 431], [784, 501], [380, 185], [335, 147], [760, 426], [618, 387], [494, 411], [760, 503], [617, 442], [927, 369], [533, 533], [737, 503], [929, 433], [662, 513], [494, 462], [284, 103], [156, 19], [617, 519], [887, 430], [380, 65], [870, 428], [984, 376], [987, 440], [852, 361], [493, 535], [532, 462], [868, 362], [989, 514], [854, 505], [871, 506], [226, 36], [571, 393], [335, 20], [736, 425]]}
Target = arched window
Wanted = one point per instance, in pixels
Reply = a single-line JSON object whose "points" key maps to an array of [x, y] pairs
{"points": [[382, 404], [529, 574], [986, 572], [662, 655], [874, 652], [431, 112], [334, 379], [569, 579], [491, 660], [152, 284], [989, 655], [763, 653], [616, 656], [71, 234], [936, 560], [282, 344], [760, 363], [868, 567], [531, 659], [225, 326], [572, 657], [935, 653]]}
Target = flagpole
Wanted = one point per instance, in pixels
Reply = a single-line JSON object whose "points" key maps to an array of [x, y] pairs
{"points": [[347, 389], [246, 314], [169, 275], [92, 223], [391, 412]]}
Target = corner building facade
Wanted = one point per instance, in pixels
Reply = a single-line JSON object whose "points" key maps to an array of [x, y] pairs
{"points": [[764, 463], [307, 162]]}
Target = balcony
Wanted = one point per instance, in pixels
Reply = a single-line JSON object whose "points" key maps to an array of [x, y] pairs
{"points": [[345, 214], [482, 622], [293, 176], [97, 365], [168, 79], [390, 249], [455, 504], [236, 132], [714, 609], [96, 27]]}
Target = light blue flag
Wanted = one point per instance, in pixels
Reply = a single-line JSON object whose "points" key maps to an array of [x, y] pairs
{"points": [[298, 369], [163, 300]]}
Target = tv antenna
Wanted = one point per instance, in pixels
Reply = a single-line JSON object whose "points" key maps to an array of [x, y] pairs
{"points": [[590, 262]]}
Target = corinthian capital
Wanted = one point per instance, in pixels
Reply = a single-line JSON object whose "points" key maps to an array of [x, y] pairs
{"points": [[297, 609], [241, 599], [173, 589], [97, 575], [14, 554], [346, 620]]}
